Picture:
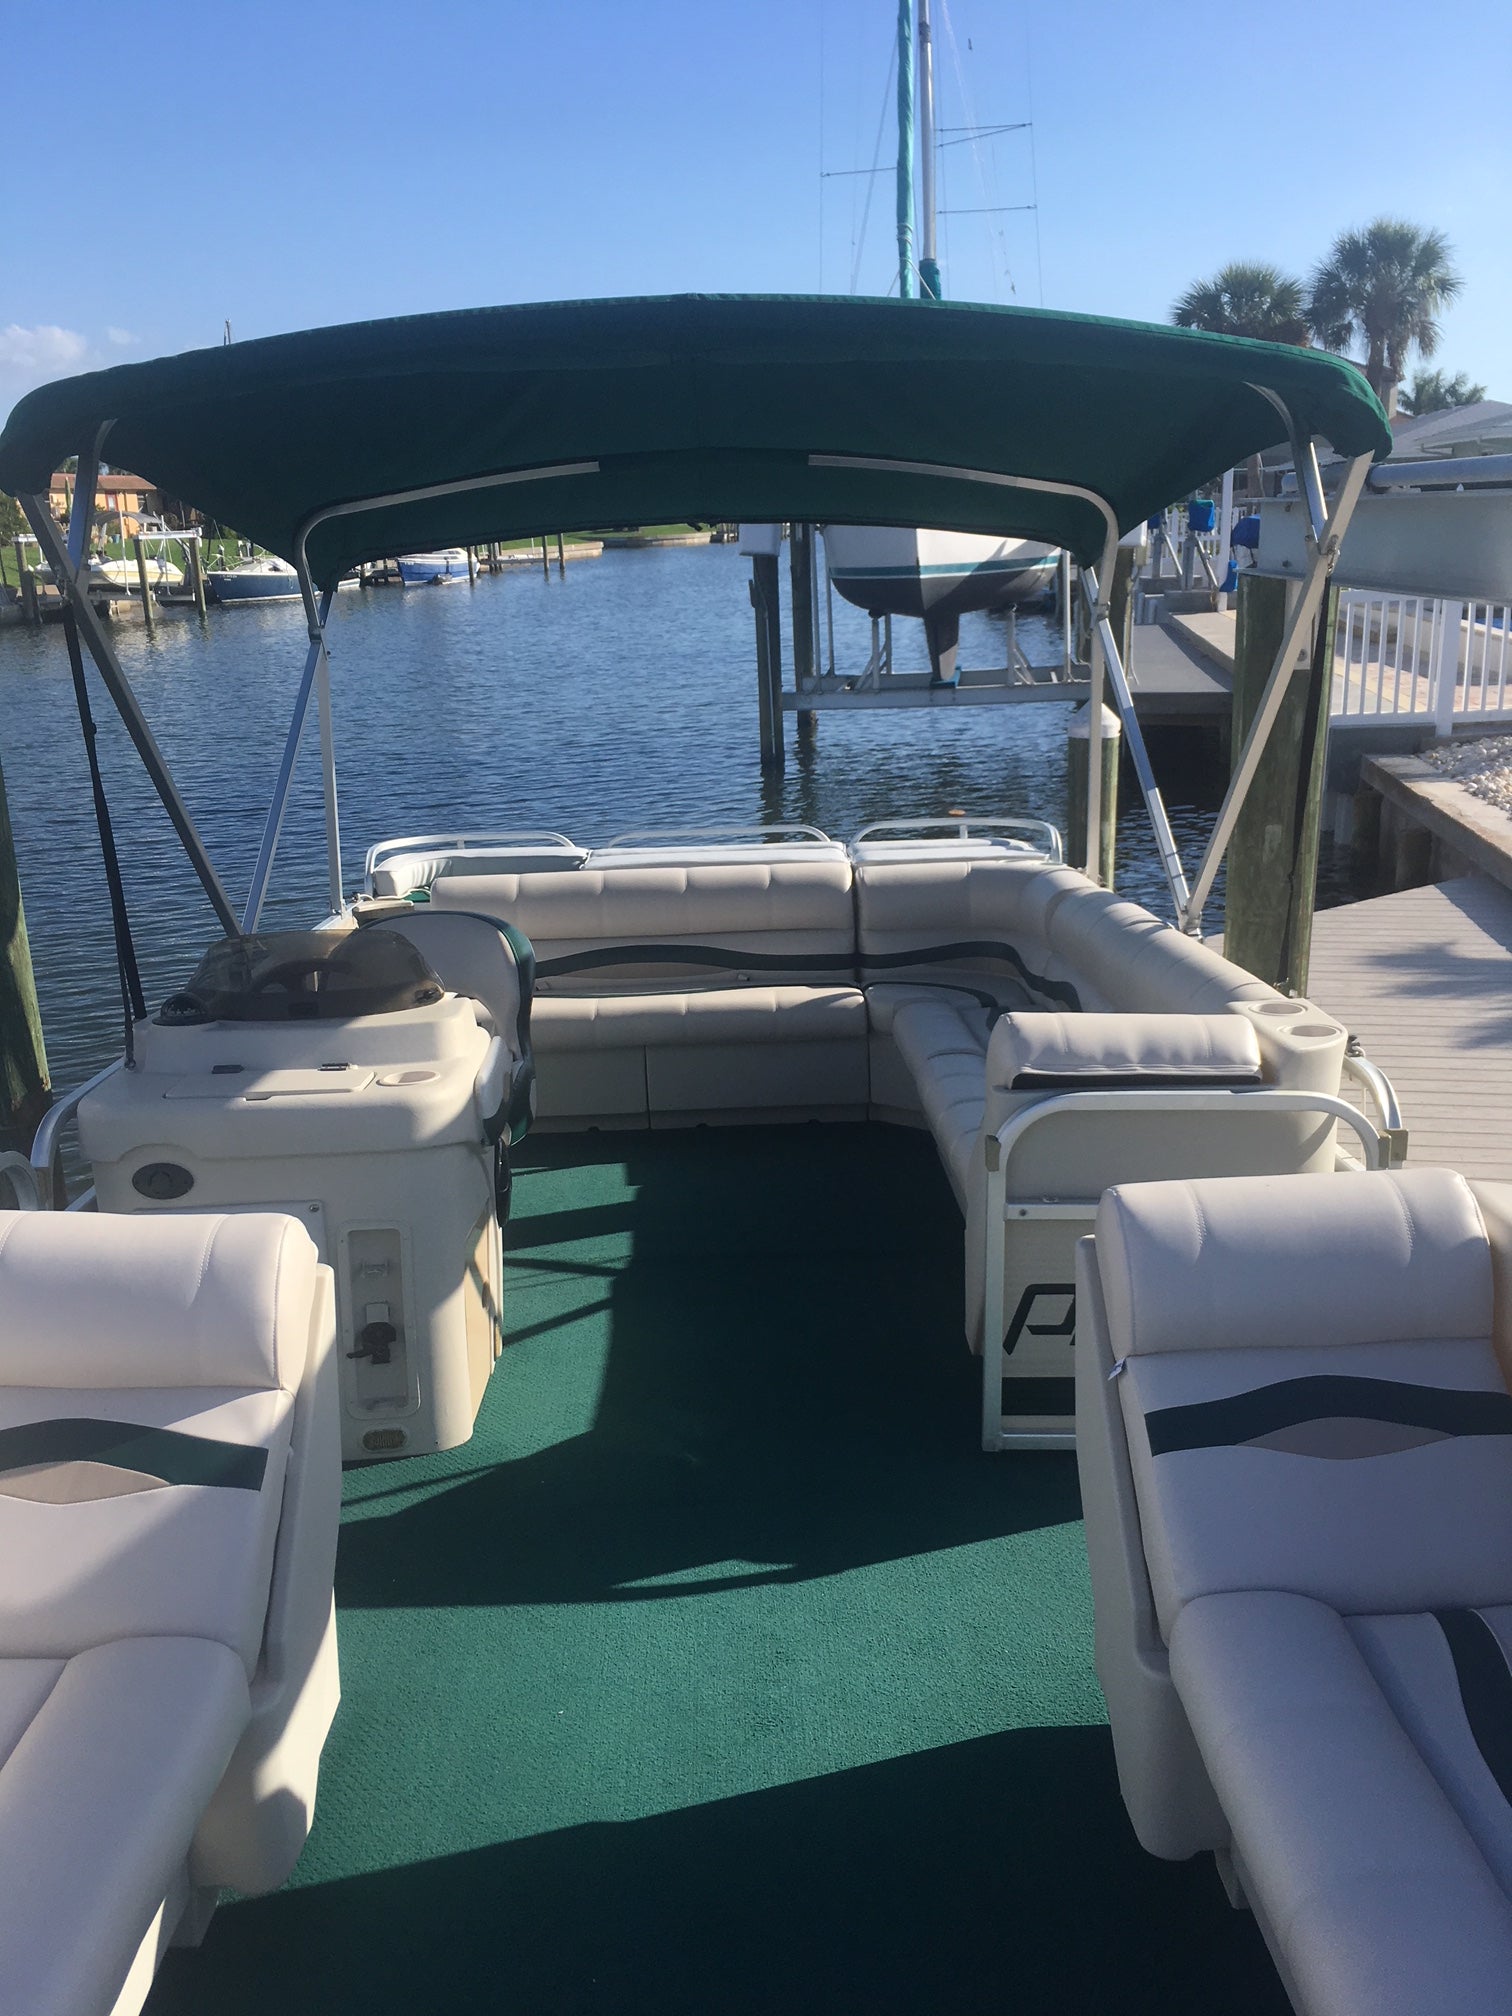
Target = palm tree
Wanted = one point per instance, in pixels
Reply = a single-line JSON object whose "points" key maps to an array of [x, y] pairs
{"points": [[1245, 299], [1382, 289], [1437, 392]]}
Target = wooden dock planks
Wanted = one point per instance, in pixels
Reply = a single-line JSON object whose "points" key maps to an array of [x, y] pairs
{"points": [[1424, 979]]}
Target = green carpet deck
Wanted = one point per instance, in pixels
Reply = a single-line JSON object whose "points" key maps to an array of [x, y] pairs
{"points": [[720, 1671]]}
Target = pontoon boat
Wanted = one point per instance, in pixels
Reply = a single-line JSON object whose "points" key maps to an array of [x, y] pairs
{"points": [[693, 1654]]}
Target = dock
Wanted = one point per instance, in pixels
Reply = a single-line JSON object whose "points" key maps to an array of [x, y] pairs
{"points": [[1424, 979]]}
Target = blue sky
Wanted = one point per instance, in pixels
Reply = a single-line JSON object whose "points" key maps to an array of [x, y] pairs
{"points": [[327, 162]]}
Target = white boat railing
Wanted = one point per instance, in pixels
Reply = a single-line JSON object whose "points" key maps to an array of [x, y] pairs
{"points": [[1410, 658]]}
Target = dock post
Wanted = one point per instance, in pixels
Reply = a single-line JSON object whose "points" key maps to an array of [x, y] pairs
{"points": [[545, 559], [31, 598], [1273, 857], [764, 600], [141, 567], [801, 563], [196, 572], [1121, 604], [25, 1092], [472, 566], [1078, 750], [561, 559]]}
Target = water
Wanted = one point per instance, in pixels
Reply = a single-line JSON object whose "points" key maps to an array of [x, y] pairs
{"points": [[621, 696]]}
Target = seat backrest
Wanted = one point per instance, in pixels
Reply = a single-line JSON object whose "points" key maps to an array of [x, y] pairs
{"points": [[147, 1373], [1262, 1261], [479, 956], [1120, 957], [767, 915], [958, 912], [1310, 1397], [156, 1299]]}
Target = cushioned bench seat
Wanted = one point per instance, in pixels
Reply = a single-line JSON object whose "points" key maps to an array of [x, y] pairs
{"points": [[108, 1759], [943, 1044], [1370, 1847], [1295, 1433], [169, 1490]]}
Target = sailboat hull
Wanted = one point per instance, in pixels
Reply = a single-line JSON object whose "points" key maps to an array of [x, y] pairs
{"points": [[891, 570]]}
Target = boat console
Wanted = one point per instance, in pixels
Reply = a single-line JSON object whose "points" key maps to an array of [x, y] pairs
{"points": [[328, 1074]]}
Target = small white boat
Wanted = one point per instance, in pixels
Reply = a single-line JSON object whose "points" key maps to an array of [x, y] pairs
{"points": [[265, 578], [447, 563]]}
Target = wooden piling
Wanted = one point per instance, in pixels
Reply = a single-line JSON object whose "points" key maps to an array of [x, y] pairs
{"points": [[1121, 603], [1078, 754], [545, 559], [31, 598], [195, 555], [25, 1091], [141, 568], [765, 601], [1273, 857], [561, 559], [472, 566], [801, 564]]}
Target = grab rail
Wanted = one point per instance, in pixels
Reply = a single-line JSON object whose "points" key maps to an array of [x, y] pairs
{"points": [[679, 835], [463, 843], [961, 823], [999, 1147], [49, 1135], [1383, 1093]]}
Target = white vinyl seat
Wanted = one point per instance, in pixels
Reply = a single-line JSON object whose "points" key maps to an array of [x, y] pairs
{"points": [[490, 962], [681, 984], [169, 1491], [1295, 1441]]}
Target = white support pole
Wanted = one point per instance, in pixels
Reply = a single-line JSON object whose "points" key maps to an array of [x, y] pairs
{"points": [[1321, 558], [86, 481], [93, 636], [1097, 669], [1067, 641], [268, 846], [1105, 648], [1225, 532], [315, 621]]}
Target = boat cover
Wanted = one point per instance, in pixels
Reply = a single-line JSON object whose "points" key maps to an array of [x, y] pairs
{"points": [[694, 407]]}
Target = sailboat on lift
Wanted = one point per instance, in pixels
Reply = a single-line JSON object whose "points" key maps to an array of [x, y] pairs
{"points": [[895, 570]]}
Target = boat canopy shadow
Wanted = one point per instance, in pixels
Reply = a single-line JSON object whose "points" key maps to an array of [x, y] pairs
{"points": [[784, 1394], [994, 1874]]}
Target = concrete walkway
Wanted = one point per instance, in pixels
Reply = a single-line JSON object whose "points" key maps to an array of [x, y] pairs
{"points": [[1424, 979]]}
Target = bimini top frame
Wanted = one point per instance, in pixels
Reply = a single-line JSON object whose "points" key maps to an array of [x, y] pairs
{"points": [[343, 445]]}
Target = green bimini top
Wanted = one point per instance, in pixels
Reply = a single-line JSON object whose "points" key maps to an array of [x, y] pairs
{"points": [[702, 407]]}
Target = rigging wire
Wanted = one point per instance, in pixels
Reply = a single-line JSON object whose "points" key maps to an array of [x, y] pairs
{"points": [[858, 246], [1039, 262]]}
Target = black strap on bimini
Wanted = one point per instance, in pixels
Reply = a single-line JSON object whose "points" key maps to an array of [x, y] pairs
{"points": [[133, 1002]]}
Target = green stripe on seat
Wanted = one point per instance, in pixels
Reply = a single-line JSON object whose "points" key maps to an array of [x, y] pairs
{"points": [[165, 1453], [845, 963]]}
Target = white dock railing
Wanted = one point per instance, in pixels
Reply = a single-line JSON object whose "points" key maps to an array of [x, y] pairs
{"points": [[1407, 658]]}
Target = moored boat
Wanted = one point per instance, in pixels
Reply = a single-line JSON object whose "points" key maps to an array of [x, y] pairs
{"points": [[264, 578], [446, 563]]}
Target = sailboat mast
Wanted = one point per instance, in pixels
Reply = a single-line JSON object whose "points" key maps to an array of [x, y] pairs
{"points": [[929, 264], [906, 289]]}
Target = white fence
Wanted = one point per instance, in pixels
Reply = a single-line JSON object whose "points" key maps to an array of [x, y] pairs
{"points": [[1441, 664]]}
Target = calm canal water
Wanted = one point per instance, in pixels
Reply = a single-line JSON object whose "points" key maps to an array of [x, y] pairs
{"points": [[621, 696]]}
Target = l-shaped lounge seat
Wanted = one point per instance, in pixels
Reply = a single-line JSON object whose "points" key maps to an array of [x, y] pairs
{"points": [[169, 1494], [900, 980], [1295, 1438]]}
